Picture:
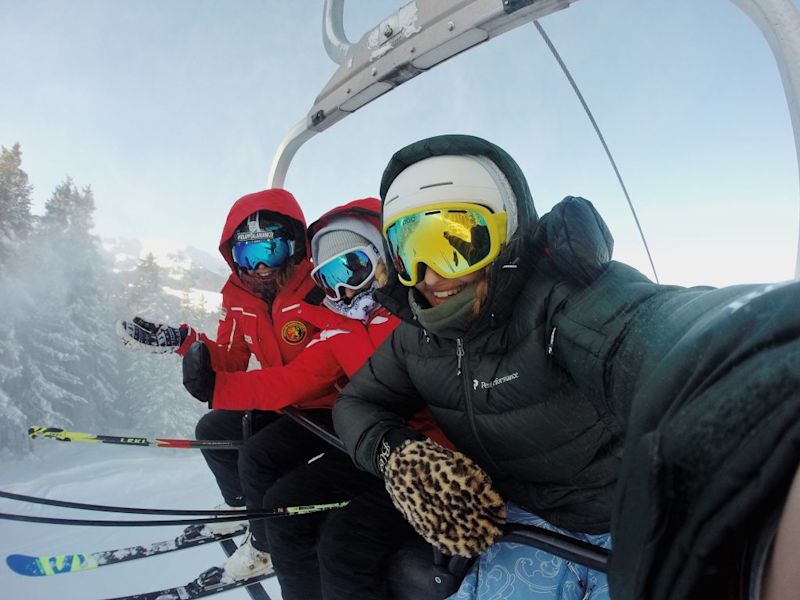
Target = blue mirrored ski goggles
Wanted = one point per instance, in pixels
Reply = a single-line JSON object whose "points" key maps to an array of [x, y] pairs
{"points": [[269, 247], [348, 270]]}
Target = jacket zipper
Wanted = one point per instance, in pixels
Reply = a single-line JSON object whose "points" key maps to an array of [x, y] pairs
{"points": [[461, 357], [552, 342]]}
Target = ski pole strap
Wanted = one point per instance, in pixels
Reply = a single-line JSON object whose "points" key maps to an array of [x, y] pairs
{"points": [[56, 433], [285, 511], [584, 553]]}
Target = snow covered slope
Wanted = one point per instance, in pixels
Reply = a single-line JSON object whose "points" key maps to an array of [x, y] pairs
{"points": [[141, 477], [185, 270]]}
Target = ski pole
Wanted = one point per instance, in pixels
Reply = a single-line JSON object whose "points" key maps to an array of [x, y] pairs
{"points": [[314, 427], [284, 511], [118, 509], [56, 433]]}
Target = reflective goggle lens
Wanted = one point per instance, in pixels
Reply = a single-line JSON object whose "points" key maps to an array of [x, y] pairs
{"points": [[273, 252], [453, 241], [351, 270]]}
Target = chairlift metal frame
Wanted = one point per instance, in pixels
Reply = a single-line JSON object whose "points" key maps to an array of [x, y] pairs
{"points": [[418, 37], [421, 35]]}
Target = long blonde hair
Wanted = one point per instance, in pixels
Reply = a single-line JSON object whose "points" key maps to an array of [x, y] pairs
{"points": [[381, 274]]}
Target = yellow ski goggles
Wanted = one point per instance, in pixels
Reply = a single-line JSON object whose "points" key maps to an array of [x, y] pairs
{"points": [[453, 239]]}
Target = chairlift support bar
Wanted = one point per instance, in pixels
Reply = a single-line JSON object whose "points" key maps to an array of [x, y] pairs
{"points": [[416, 38], [779, 21]]}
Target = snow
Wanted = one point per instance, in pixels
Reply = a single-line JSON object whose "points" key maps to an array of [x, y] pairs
{"points": [[212, 301], [105, 474], [169, 254]]}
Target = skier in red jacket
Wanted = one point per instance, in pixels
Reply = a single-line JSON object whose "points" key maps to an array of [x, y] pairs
{"points": [[267, 303]]}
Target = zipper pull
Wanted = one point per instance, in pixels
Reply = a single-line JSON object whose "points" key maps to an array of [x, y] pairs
{"points": [[552, 342], [459, 353]]}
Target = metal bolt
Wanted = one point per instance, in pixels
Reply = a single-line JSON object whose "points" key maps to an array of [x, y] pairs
{"points": [[450, 26], [387, 30], [374, 71], [347, 91], [413, 49]]}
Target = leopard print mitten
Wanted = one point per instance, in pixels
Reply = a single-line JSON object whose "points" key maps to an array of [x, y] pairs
{"points": [[446, 497]]}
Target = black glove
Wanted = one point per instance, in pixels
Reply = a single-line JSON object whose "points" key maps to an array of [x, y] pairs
{"points": [[446, 497], [150, 337], [198, 375]]}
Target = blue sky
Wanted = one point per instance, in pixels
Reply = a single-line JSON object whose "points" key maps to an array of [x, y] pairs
{"points": [[172, 110]]}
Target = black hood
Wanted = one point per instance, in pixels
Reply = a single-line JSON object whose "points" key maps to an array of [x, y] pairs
{"points": [[512, 267]]}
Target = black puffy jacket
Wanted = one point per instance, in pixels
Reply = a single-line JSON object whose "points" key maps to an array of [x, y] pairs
{"points": [[571, 354], [505, 402]]}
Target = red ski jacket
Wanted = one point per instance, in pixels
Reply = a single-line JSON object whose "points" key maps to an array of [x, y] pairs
{"points": [[328, 359], [249, 329], [315, 377]]}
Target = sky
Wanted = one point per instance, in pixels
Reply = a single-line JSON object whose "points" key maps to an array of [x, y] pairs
{"points": [[172, 110]]}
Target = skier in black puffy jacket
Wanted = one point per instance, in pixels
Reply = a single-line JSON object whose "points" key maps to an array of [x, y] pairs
{"points": [[590, 396]]}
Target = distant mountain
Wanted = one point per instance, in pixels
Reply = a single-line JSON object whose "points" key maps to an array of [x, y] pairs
{"points": [[185, 270]]}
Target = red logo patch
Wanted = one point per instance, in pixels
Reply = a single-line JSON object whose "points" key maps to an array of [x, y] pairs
{"points": [[294, 332]]}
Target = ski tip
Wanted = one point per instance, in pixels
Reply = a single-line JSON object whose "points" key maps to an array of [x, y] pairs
{"points": [[23, 564], [35, 431], [38, 566]]}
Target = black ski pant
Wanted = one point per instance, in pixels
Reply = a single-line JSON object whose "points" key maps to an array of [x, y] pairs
{"points": [[341, 554], [276, 445]]}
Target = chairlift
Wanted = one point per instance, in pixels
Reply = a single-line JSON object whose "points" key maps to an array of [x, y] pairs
{"points": [[416, 38]]}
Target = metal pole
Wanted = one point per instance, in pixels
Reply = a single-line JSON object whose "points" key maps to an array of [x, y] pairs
{"points": [[298, 136], [333, 36], [779, 21]]}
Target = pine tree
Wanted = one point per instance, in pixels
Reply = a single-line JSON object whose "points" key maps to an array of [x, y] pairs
{"points": [[69, 212], [13, 421], [153, 382], [61, 363], [15, 226], [71, 373], [15, 202], [144, 294]]}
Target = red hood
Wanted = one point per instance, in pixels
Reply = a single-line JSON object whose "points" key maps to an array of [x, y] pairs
{"points": [[275, 200], [368, 209]]}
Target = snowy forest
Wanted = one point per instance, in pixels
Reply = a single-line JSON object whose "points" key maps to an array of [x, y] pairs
{"points": [[61, 363]]}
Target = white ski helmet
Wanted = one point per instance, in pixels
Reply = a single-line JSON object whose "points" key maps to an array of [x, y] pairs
{"points": [[452, 178]]}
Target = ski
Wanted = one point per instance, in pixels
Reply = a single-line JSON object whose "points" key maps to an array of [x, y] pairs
{"points": [[42, 566], [208, 583], [56, 433]]}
